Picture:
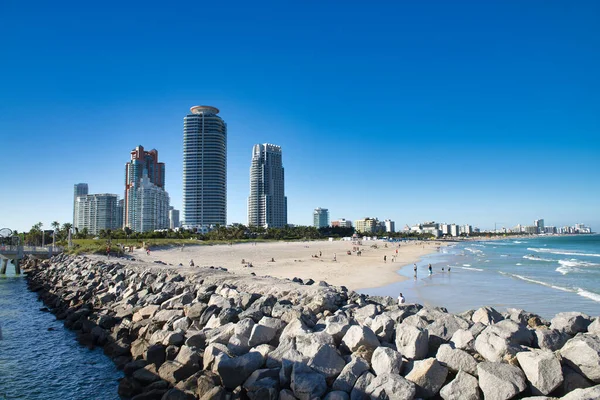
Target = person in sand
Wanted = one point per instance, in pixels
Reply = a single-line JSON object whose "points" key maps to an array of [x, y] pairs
{"points": [[401, 299], [191, 263]]}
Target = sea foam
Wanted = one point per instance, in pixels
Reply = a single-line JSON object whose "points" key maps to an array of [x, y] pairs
{"points": [[524, 278], [589, 295], [560, 251]]}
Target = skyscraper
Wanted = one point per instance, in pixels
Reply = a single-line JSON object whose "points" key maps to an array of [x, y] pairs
{"points": [[96, 212], [204, 169], [320, 217], [267, 204], [79, 189], [146, 205]]}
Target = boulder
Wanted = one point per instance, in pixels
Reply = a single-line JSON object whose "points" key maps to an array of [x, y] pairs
{"points": [[216, 393], [173, 371], [146, 375], [571, 322], [411, 341], [238, 345], [383, 327], [310, 344], [572, 380], [386, 360], [428, 375], [594, 327], [359, 391], [234, 371], [266, 388], [463, 387], [305, 384], [350, 374], [456, 359], [392, 387], [211, 352], [286, 394], [500, 381], [582, 353], [463, 339], [261, 334], [592, 393], [189, 357], [357, 336], [244, 327], [327, 361], [177, 394], [503, 338], [156, 354], [337, 395], [446, 326], [550, 339], [487, 316], [337, 326], [542, 369]]}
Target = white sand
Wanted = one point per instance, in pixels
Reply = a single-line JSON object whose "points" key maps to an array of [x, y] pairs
{"points": [[295, 259]]}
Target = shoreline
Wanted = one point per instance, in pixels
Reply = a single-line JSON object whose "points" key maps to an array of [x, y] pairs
{"points": [[327, 261]]}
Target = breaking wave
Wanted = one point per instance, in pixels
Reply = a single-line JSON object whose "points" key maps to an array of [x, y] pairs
{"points": [[561, 251]]}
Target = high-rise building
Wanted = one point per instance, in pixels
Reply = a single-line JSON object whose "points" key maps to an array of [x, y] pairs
{"points": [[390, 226], [146, 205], [173, 218], [539, 224], [96, 212], [342, 223], [204, 169], [320, 217], [79, 189], [267, 204], [366, 225]]}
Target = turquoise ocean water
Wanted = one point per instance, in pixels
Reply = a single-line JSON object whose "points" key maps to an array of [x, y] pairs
{"points": [[544, 275], [39, 358]]}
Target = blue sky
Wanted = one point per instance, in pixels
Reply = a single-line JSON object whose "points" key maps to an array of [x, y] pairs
{"points": [[464, 111]]}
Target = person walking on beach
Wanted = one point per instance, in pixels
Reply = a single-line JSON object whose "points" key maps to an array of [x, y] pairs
{"points": [[384, 258], [191, 263], [334, 257], [430, 269], [415, 269], [401, 299]]}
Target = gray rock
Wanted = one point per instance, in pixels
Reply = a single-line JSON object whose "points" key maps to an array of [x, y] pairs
{"points": [[294, 328], [359, 391], [263, 389], [286, 394], [572, 380], [456, 359], [244, 327], [216, 393], [392, 387], [463, 339], [261, 334], [177, 394], [445, 327], [386, 360], [327, 361], [503, 338], [487, 316], [194, 311], [234, 371], [337, 326], [500, 381], [411, 341], [146, 375], [463, 387], [173, 372], [177, 302], [189, 357], [196, 340], [166, 315], [383, 327], [307, 385], [594, 327], [582, 353], [550, 339], [592, 393], [310, 344], [337, 395], [211, 352], [571, 322], [350, 374], [363, 313], [156, 354], [415, 320], [429, 377], [357, 336], [542, 370], [182, 324]]}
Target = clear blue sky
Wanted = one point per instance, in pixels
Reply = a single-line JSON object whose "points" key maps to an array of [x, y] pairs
{"points": [[476, 112]]}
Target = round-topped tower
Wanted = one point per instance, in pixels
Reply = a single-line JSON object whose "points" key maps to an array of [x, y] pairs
{"points": [[204, 169], [204, 110]]}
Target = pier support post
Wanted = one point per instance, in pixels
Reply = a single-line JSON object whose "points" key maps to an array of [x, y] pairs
{"points": [[3, 268], [17, 264]]}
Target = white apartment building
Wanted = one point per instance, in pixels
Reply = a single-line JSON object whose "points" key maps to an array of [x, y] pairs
{"points": [[267, 203], [97, 212]]}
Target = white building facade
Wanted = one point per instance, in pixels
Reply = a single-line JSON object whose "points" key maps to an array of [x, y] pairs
{"points": [[204, 169], [96, 212], [267, 203]]}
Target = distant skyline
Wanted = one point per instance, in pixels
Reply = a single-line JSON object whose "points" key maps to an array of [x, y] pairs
{"points": [[461, 112]]}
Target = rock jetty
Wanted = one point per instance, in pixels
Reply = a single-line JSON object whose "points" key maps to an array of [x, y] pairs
{"points": [[205, 333]]}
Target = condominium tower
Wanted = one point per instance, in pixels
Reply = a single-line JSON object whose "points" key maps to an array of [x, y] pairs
{"points": [[267, 204], [204, 169], [146, 205], [79, 189], [320, 217], [96, 212]]}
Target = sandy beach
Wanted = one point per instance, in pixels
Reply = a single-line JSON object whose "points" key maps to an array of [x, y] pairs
{"points": [[317, 260]]}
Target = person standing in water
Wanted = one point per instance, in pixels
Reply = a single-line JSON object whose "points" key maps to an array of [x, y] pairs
{"points": [[401, 299], [430, 269]]}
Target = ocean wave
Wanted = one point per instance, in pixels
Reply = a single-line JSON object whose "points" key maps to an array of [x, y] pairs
{"points": [[561, 251], [472, 269], [528, 257], [589, 295], [526, 279], [474, 251], [519, 242], [577, 263], [564, 270], [518, 264], [466, 265]]}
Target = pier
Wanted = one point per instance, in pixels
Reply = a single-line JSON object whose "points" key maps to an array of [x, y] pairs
{"points": [[15, 254]]}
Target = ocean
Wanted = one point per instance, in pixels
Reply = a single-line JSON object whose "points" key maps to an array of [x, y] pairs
{"points": [[544, 275], [40, 358]]}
